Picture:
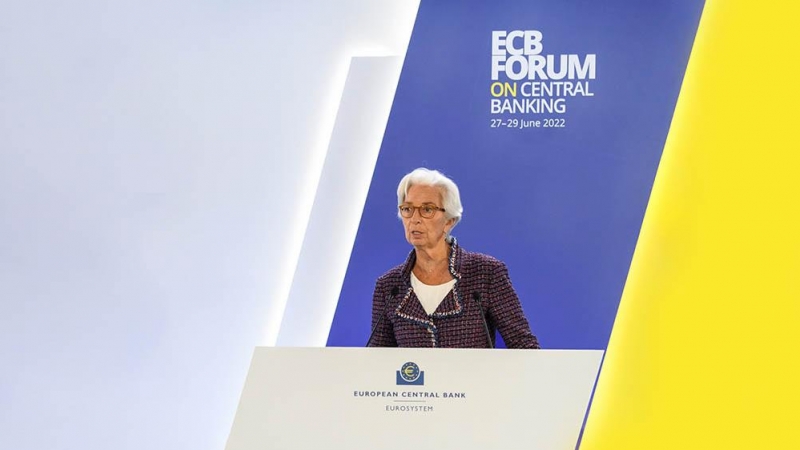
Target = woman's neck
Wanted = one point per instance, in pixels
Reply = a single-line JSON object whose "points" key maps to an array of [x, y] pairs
{"points": [[432, 264]]}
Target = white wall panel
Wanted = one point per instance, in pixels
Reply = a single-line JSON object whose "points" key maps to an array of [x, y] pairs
{"points": [[156, 160], [339, 201]]}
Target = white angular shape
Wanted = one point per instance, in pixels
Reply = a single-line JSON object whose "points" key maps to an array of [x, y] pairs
{"points": [[341, 195]]}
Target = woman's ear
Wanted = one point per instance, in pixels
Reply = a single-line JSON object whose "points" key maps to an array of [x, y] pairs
{"points": [[449, 225]]}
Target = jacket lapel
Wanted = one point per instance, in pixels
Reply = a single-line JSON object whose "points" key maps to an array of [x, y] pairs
{"points": [[411, 309]]}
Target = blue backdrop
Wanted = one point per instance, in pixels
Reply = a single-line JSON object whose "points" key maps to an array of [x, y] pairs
{"points": [[562, 206]]}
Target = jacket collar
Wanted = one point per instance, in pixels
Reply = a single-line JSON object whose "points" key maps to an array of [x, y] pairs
{"points": [[410, 308], [454, 265]]}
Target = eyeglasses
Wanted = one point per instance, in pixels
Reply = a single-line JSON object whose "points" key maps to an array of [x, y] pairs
{"points": [[427, 210]]}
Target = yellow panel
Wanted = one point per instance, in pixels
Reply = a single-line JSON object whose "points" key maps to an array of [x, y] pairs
{"points": [[705, 351]]}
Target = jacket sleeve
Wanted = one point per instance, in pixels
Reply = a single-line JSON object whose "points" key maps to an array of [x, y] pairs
{"points": [[506, 312], [384, 334]]}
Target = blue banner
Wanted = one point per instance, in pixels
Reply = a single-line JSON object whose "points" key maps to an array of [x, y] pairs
{"points": [[551, 117]]}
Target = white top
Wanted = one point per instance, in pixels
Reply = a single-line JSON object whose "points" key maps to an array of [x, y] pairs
{"points": [[430, 296]]}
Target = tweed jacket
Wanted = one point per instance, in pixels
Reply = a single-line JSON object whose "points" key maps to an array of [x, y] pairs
{"points": [[457, 322]]}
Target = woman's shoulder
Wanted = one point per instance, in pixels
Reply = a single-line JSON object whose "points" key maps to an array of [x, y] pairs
{"points": [[392, 275], [479, 260]]}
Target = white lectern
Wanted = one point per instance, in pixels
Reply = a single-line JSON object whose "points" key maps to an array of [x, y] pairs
{"points": [[428, 399]]}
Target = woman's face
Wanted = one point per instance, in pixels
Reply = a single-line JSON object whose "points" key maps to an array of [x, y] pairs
{"points": [[426, 232]]}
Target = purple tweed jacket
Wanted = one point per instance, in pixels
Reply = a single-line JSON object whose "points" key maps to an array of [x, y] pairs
{"points": [[456, 323]]}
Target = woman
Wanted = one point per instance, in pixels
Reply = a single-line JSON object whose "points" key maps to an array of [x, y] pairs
{"points": [[440, 295]]}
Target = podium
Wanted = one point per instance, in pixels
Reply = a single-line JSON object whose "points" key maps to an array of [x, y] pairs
{"points": [[413, 398]]}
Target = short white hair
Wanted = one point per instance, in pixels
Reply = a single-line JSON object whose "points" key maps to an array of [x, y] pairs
{"points": [[451, 199]]}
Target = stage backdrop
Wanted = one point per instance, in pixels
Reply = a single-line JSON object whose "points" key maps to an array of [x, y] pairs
{"points": [[551, 117]]}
